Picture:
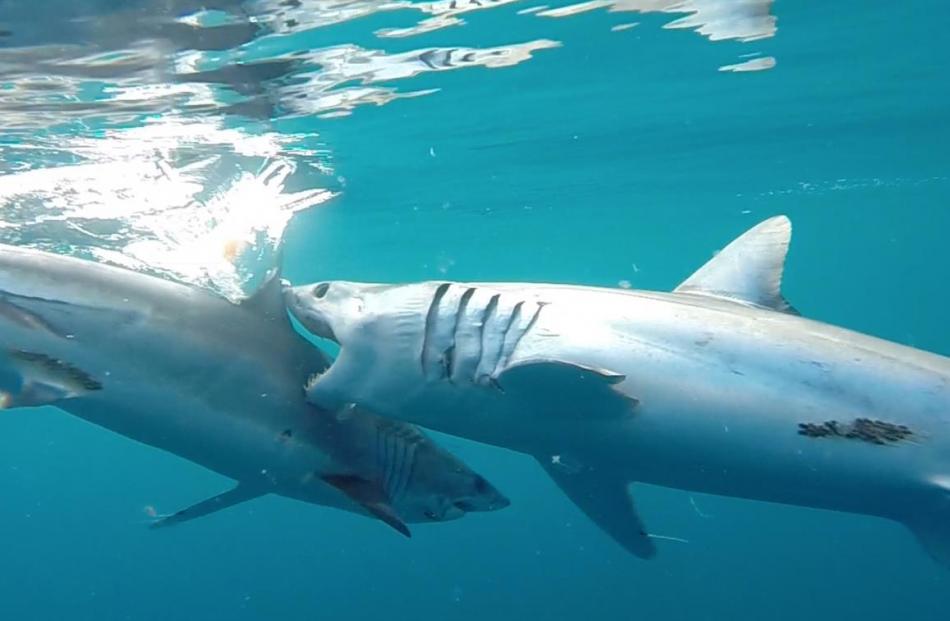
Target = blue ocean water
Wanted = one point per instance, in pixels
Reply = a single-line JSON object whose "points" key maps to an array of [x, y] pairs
{"points": [[613, 158]]}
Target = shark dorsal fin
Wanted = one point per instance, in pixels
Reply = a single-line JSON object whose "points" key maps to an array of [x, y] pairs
{"points": [[268, 300], [749, 270]]}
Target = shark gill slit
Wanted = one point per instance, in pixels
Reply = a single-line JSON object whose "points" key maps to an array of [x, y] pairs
{"points": [[408, 466], [449, 354], [383, 457], [531, 323], [496, 337], [404, 445], [399, 466], [508, 352], [505, 352], [432, 318], [487, 314], [398, 458]]}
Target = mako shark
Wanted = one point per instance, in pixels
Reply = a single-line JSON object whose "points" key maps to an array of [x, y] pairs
{"points": [[719, 387], [181, 369]]}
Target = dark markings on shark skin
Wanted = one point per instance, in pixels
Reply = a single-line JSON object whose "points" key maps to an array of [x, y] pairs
{"points": [[58, 367], [864, 429]]}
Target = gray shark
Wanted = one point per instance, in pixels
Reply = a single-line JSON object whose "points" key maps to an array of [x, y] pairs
{"points": [[719, 387], [181, 369]]}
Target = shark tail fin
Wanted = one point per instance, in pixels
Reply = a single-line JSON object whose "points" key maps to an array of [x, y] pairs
{"points": [[931, 525]]}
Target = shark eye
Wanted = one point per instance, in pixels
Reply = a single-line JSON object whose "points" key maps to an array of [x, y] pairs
{"points": [[321, 290]]}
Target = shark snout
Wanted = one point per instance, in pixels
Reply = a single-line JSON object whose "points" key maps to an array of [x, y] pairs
{"points": [[486, 498], [308, 305]]}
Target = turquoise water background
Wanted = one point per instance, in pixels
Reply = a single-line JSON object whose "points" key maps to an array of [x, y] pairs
{"points": [[618, 156]]}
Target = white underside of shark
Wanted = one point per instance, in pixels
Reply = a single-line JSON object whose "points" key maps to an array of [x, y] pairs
{"points": [[220, 384], [718, 387]]}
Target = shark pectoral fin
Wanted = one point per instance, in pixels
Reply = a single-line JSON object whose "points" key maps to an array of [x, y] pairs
{"points": [[241, 493], [748, 270], [370, 496], [39, 379], [44, 315], [26, 318], [557, 387], [931, 524], [603, 497]]}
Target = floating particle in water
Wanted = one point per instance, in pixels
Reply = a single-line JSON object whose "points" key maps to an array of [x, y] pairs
{"points": [[150, 511], [624, 284]]}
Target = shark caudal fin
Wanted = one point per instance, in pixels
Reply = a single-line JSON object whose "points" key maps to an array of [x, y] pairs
{"points": [[930, 524], [748, 270]]}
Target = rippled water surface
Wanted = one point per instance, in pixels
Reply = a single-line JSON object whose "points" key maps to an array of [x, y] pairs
{"points": [[613, 143]]}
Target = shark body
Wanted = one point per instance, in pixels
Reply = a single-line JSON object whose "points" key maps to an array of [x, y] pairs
{"points": [[719, 387], [181, 369]]}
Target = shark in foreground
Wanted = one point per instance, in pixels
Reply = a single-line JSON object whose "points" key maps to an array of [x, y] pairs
{"points": [[181, 369], [719, 387]]}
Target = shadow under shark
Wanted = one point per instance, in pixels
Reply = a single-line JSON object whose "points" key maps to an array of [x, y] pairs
{"points": [[181, 369], [719, 387]]}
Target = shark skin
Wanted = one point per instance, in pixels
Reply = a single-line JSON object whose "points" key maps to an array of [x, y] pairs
{"points": [[183, 370], [718, 387]]}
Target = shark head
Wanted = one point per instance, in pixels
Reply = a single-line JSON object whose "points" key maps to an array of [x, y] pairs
{"points": [[329, 310], [447, 488]]}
